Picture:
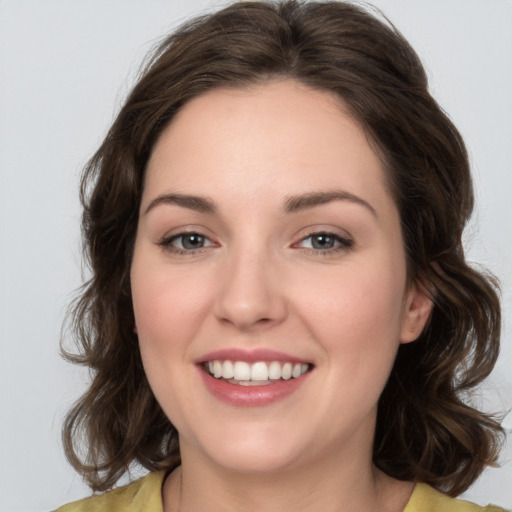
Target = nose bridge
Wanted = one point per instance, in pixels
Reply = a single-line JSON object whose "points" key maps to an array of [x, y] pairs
{"points": [[249, 295]]}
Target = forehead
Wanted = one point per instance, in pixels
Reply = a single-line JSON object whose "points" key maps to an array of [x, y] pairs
{"points": [[281, 134]]}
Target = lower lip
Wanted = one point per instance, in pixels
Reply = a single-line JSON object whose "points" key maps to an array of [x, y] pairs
{"points": [[251, 396]]}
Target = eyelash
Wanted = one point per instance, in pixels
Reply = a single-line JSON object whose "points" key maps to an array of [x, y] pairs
{"points": [[167, 242], [344, 244]]}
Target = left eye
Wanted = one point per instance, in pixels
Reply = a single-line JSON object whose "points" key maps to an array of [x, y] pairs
{"points": [[186, 242], [325, 242]]}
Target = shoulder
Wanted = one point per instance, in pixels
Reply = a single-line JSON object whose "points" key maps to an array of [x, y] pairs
{"points": [[142, 495], [427, 499]]}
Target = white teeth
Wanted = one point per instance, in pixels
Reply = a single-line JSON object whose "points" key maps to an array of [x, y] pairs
{"points": [[259, 371], [255, 373], [274, 370], [227, 370], [297, 370], [286, 371], [241, 371], [217, 369]]}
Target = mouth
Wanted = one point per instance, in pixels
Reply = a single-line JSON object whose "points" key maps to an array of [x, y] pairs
{"points": [[259, 373], [253, 378]]}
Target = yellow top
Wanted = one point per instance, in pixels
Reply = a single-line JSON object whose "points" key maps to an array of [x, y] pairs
{"points": [[145, 495]]}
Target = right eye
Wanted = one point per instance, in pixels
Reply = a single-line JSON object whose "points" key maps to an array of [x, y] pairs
{"points": [[188, 242], [325, 243]]}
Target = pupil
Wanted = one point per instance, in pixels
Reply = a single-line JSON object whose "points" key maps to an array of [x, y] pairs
{"points": [[192, 241], [323, 242]]}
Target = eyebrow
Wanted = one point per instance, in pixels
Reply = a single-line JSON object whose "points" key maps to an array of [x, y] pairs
{"points": [[292, 203], [199, 204], [310, 200]]}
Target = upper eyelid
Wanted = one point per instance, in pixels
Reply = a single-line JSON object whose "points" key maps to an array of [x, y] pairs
{"points": [[336, 236], [188, 230], [181, 234], [167, 244], [323, 229], [328, 232], [345, 242]]}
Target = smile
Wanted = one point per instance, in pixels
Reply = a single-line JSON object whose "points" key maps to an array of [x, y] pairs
{"points": [[259, 373], [252, 378]]}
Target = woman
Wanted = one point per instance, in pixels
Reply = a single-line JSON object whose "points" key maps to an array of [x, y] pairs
{"points": [[280, 314]]}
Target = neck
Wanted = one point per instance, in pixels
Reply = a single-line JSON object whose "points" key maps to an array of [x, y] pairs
{"points": [[330, 486]]}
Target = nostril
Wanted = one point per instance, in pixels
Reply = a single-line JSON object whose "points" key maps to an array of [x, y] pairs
{"points": [[246, 319]]}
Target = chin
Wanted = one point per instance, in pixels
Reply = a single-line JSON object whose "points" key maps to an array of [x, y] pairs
{"points": [[255, 461], [253, 449]]}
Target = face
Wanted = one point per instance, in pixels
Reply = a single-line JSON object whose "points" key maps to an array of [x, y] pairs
{"points": [[269, 279]]}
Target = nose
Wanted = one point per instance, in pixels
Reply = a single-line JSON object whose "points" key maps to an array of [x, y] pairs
{"points": [[251, 295]]}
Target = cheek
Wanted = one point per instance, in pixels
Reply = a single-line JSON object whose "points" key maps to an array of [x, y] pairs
{"points": [[356, 317], [166, 311]]}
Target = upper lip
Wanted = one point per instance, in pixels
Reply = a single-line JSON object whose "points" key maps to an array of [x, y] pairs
{"points": [[250, 356]]}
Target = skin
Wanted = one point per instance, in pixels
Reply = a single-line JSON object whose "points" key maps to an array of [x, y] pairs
{"points": [[260, 281]]}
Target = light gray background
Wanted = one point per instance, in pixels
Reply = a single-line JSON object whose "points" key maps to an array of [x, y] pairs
{"points": [[65, 66]]}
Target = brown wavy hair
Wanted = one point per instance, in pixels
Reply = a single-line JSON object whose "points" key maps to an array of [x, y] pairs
{"points": [[426, 429]]}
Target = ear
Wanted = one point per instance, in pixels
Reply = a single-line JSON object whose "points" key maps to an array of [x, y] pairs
{"points": [[417, 308]]}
